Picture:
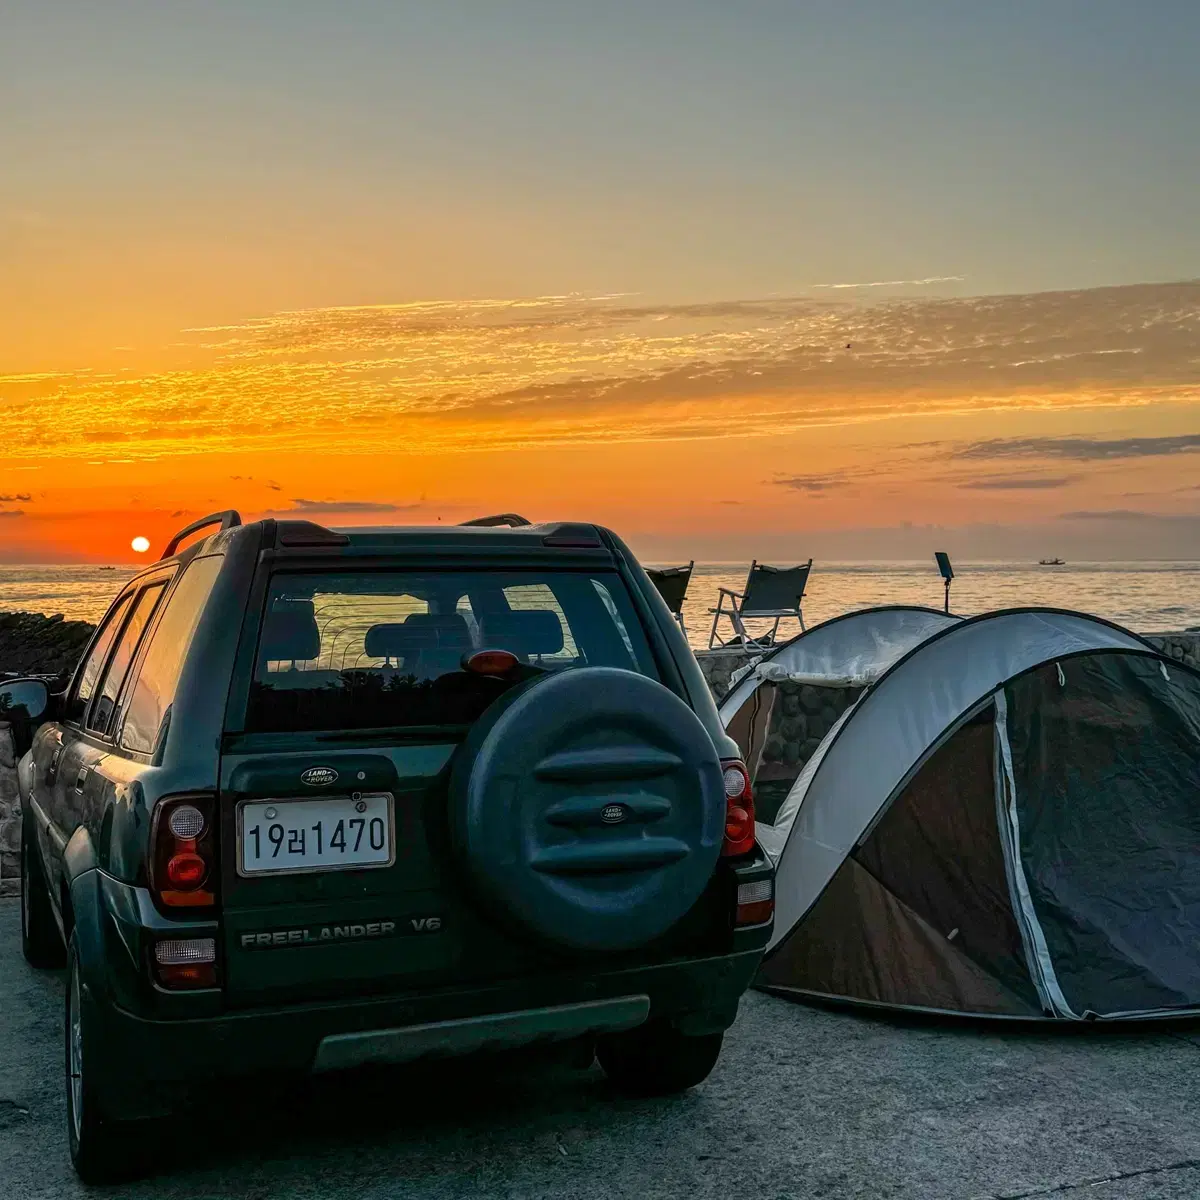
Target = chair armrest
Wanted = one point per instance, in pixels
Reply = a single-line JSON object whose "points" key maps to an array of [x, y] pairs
{"points": [[730, 592]]}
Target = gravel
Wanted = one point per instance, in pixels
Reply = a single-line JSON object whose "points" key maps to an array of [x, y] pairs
{"points": [[804, 1103]]}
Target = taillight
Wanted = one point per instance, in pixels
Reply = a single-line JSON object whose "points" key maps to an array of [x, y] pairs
{"points": [[739, 808], [183, 865]]}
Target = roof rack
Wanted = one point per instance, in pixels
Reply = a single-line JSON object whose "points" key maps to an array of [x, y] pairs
{"points": [[227, 520], [511, 519]]}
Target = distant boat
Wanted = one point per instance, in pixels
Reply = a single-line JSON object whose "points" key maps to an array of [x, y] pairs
{"points": [[108, 568], [1051, 562]]}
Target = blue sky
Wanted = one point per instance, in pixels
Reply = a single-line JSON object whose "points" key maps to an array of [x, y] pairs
{"points": [[685, 150], [225, 229]]}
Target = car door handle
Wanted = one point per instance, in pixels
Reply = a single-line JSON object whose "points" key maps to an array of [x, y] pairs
{"points": [[81, 778], [52, 768]]}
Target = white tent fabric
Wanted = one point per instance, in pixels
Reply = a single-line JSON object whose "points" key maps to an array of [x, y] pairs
{"points": [[852, 650], [882, 739]]}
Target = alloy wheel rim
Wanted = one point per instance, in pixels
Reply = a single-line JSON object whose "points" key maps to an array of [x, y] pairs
{"points": [[75, 1055]]}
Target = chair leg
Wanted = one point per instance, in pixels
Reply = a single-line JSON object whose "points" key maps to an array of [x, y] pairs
{"points": [[775, 632], [800, 614], [740, 628], [712, 636]]}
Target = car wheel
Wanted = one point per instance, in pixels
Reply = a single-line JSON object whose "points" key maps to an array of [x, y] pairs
{"points": [[657, 1060], [102, 1150], [41, 943]]}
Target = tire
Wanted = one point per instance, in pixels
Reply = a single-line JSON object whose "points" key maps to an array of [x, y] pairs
{"points": [[102, 1150], [41, 942], [657, 1060]]}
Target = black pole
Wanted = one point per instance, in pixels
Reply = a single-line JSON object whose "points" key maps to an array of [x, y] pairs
{"points": [[946, 570]]}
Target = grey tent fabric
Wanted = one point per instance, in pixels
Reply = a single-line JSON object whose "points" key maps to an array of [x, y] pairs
{"points": [[851, 650], [1115, 883], [1006, 822]]}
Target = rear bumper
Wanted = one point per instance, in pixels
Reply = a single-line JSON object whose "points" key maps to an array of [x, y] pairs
{"points": [[145, 1060], [495, 1031]]}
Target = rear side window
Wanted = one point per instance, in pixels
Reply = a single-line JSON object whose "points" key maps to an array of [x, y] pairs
{"points": [[148, 709], [118, 665], [385, 649], [92, 667]]}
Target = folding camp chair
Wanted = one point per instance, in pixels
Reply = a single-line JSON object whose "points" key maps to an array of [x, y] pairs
{"points": [[770, 592], [672, 584]]}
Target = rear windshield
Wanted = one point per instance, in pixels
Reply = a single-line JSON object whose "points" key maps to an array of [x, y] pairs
{"points": [[383, 649]]}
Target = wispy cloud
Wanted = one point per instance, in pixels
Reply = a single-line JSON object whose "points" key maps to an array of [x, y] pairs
{"points": [[814, 485], [16, 497], [446, 376], [350, 506], [883, 283], [1018, 483], [1114, 514], [1082, 449]]}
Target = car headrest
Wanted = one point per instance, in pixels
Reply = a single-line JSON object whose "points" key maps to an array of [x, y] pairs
{"points": [[526, 633], [417, 632], [290, 632]]}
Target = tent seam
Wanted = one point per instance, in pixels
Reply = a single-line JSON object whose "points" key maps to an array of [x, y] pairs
{"points": [[1041, 967]]}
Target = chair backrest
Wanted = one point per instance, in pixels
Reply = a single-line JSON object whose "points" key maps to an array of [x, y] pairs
{"points": [[428, 644], [527, 633], [290, 633], [672, 584], [773, 588]]}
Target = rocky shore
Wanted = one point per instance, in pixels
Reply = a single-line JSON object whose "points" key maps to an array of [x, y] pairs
{"points": [[33, 644]]}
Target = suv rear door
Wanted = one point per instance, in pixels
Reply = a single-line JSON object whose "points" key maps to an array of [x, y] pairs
{"points": [[86, 739], [358, 699]]}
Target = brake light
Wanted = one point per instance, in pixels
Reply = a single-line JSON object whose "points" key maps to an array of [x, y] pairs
{"points": [[491, 662], [187, 871], [183, 852], [739, 808]]}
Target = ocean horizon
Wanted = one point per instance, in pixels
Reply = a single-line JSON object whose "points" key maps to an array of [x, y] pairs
{"points": [[1146, 596]]}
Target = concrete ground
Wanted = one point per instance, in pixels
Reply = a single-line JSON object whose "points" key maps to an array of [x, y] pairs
{"points": [[804, 1103]]}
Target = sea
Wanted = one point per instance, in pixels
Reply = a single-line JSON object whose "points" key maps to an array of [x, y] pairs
{"points": [[1148, 597]]}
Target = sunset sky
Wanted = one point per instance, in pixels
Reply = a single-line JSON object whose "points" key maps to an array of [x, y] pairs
{"points": [[780, 279]]}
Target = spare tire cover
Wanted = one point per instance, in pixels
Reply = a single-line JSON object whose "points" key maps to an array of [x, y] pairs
{"points": [[588, 806]]}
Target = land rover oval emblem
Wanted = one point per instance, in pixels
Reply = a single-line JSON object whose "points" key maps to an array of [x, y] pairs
{"points": [[318, 776], [612, 814]]}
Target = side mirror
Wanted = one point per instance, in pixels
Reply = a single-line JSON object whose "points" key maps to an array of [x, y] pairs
{"points": [[23, 700]]}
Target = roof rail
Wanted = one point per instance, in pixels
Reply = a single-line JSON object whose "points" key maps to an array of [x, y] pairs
{"points": [[512, 519], [227, 520]]}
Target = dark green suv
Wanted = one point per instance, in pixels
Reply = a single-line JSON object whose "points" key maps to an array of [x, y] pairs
{"points": [[321, 798]]}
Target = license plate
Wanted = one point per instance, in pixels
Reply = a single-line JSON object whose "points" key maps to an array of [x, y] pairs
{"points": [[334, 833]]}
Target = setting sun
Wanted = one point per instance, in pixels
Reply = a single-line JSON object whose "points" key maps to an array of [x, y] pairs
{"points": [[140, 544]]}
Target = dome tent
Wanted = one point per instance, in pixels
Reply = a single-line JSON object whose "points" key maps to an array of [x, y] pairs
{"points": [[1006, 822], [781, 705]]}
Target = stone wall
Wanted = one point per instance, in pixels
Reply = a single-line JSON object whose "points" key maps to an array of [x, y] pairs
{"points": [[719, 665], [1184, 647]]}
